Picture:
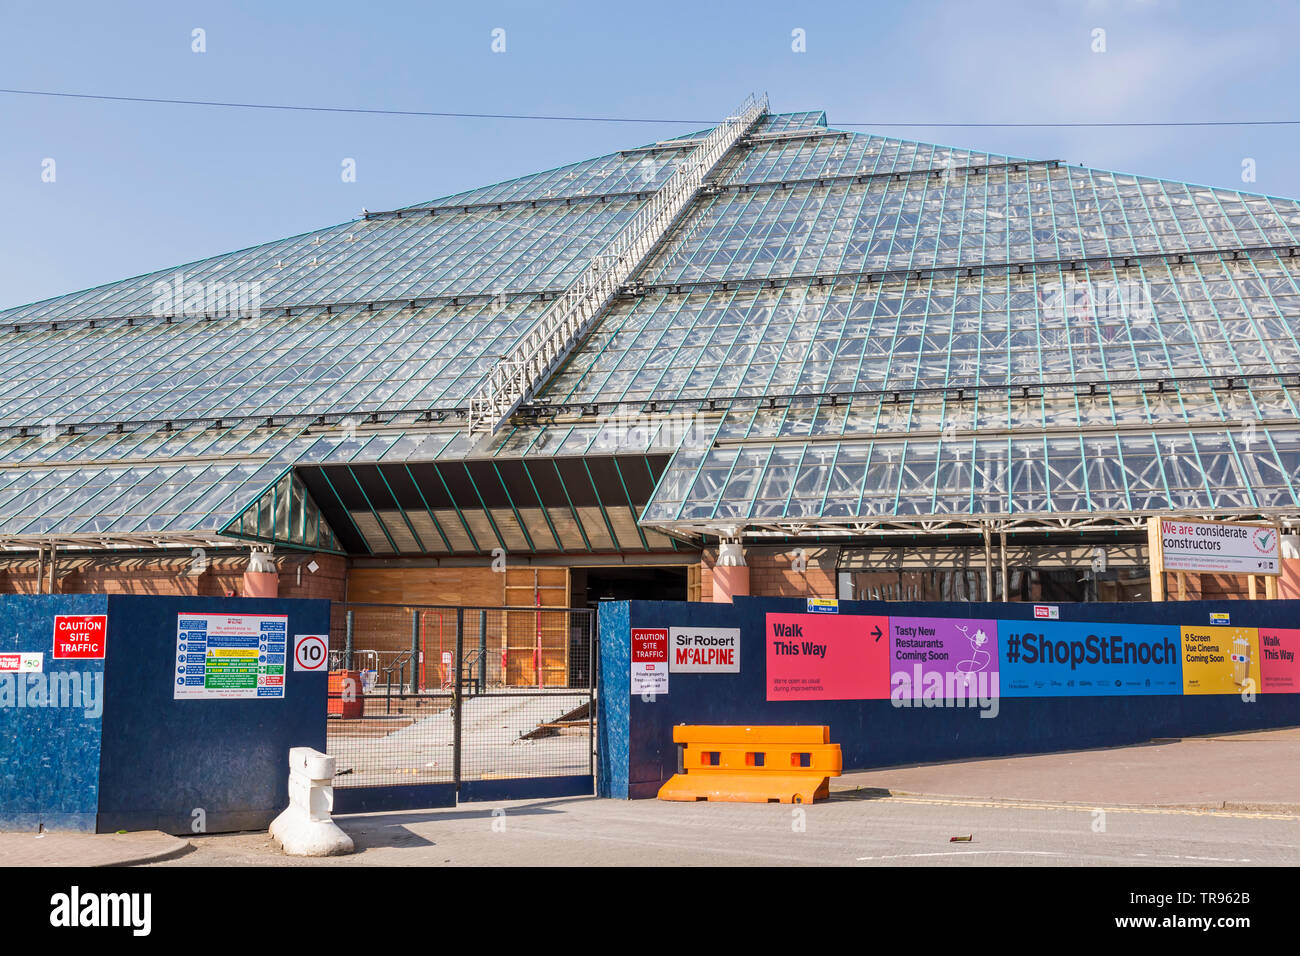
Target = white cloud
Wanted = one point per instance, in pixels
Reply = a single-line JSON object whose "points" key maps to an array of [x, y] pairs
{"points": [[1155, 68]]}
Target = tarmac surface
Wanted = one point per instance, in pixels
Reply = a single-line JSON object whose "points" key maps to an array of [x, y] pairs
{"points": [[1231, 800], [863, 829]]}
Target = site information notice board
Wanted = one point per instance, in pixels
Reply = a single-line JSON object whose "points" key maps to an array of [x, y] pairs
{"points": [[870, 657], [225, 656]]}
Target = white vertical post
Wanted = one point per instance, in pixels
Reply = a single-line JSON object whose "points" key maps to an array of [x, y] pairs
{"points": [[305, 828]]}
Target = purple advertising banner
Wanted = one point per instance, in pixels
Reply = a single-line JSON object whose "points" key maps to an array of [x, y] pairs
{"points": [[941, 657]]}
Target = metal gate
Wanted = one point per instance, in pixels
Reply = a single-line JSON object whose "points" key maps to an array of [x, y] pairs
{"points": [[430, 705]]}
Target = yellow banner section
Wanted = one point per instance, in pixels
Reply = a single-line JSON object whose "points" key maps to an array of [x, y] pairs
{"points": [[1220, 660], [233, 652]]}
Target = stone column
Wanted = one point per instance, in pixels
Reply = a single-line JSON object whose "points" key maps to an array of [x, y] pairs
{"points": [[730, 573]]}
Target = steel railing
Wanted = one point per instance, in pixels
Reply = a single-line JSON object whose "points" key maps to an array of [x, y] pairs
{"points": [[516, 375]]}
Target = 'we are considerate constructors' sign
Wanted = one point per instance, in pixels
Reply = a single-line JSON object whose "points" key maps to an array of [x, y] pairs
{"points": [[1216, 547]]}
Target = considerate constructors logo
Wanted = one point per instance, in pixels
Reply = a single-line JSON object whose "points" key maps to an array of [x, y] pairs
{"points": [[1264, 540]]}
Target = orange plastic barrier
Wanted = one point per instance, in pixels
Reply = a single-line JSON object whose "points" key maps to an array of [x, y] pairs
{"points": [[753, 764]]}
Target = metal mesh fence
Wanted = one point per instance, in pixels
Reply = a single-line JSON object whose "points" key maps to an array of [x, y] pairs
{"points": [[522, 706]]}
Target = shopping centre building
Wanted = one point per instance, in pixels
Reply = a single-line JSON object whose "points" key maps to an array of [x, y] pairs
{"points": [[771, 356]]}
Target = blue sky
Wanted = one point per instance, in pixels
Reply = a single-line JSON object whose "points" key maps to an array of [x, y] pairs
{"points": [[142, 187]]}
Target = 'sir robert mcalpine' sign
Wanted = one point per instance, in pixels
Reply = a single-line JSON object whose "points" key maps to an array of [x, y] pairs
{"points": [[80, 636], [704, 650]]}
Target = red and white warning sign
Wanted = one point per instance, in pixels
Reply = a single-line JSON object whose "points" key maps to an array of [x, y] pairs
{"points": [[80, 635], [311, 652], [649, 664]]}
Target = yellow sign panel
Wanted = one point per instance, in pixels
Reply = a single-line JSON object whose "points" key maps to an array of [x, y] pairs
{"points": [[1220, 660], [233, 652]]}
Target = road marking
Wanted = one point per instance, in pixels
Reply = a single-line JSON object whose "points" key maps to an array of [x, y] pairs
{"points": [[1080, 808], [905, 856]]}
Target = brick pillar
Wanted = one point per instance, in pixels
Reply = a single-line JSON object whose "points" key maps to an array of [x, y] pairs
{"points": [[261, 580], [1288, 585], [730, 573]]}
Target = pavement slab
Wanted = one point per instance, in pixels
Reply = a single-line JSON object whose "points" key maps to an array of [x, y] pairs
{"points": [[56, 848]]}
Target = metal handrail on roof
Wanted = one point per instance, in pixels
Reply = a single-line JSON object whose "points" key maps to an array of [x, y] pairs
{"points": [[563, 325]]}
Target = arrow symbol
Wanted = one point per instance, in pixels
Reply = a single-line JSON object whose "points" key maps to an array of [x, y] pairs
{"points": [[876, 631]]}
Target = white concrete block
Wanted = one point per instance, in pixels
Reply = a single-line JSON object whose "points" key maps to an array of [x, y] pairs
{"points": [[305, 827], [312, 763]]}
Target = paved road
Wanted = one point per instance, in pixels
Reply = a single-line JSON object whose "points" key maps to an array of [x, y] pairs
{"points": [[1259, 770], [861, 829]]}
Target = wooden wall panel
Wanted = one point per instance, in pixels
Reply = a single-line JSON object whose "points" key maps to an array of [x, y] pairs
{"points": [[523, 630], [479, 586]]}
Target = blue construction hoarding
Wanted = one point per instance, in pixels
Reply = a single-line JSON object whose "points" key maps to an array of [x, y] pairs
{"points": [[137, 712], [902, 682]]}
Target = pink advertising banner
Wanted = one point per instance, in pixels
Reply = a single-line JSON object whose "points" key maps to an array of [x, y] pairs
{"points": [[827, 657], [1278, 647]]}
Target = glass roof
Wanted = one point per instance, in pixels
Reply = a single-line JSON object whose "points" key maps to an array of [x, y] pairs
{"points": [[285, 515], [484, 252], [1212, 315], [319, 360], [631, 171], [843, 482], [885, 328], [921, 222], [141, 496], [855, 154]]}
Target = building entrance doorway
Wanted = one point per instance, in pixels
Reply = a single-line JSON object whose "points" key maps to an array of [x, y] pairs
{"points": [[593, 585]]}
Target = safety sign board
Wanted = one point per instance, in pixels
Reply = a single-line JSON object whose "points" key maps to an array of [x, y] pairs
{"points": [[1219, 547], [311, 652], [230, 656], [704, 650], [649, 660], [80, 636], [24, 662]]}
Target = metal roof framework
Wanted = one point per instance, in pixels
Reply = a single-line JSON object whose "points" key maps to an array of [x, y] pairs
{"points": [[856, 332], [949, 526]]}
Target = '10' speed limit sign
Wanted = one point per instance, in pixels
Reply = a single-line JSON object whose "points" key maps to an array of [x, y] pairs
{"points": [[310, 652]]}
